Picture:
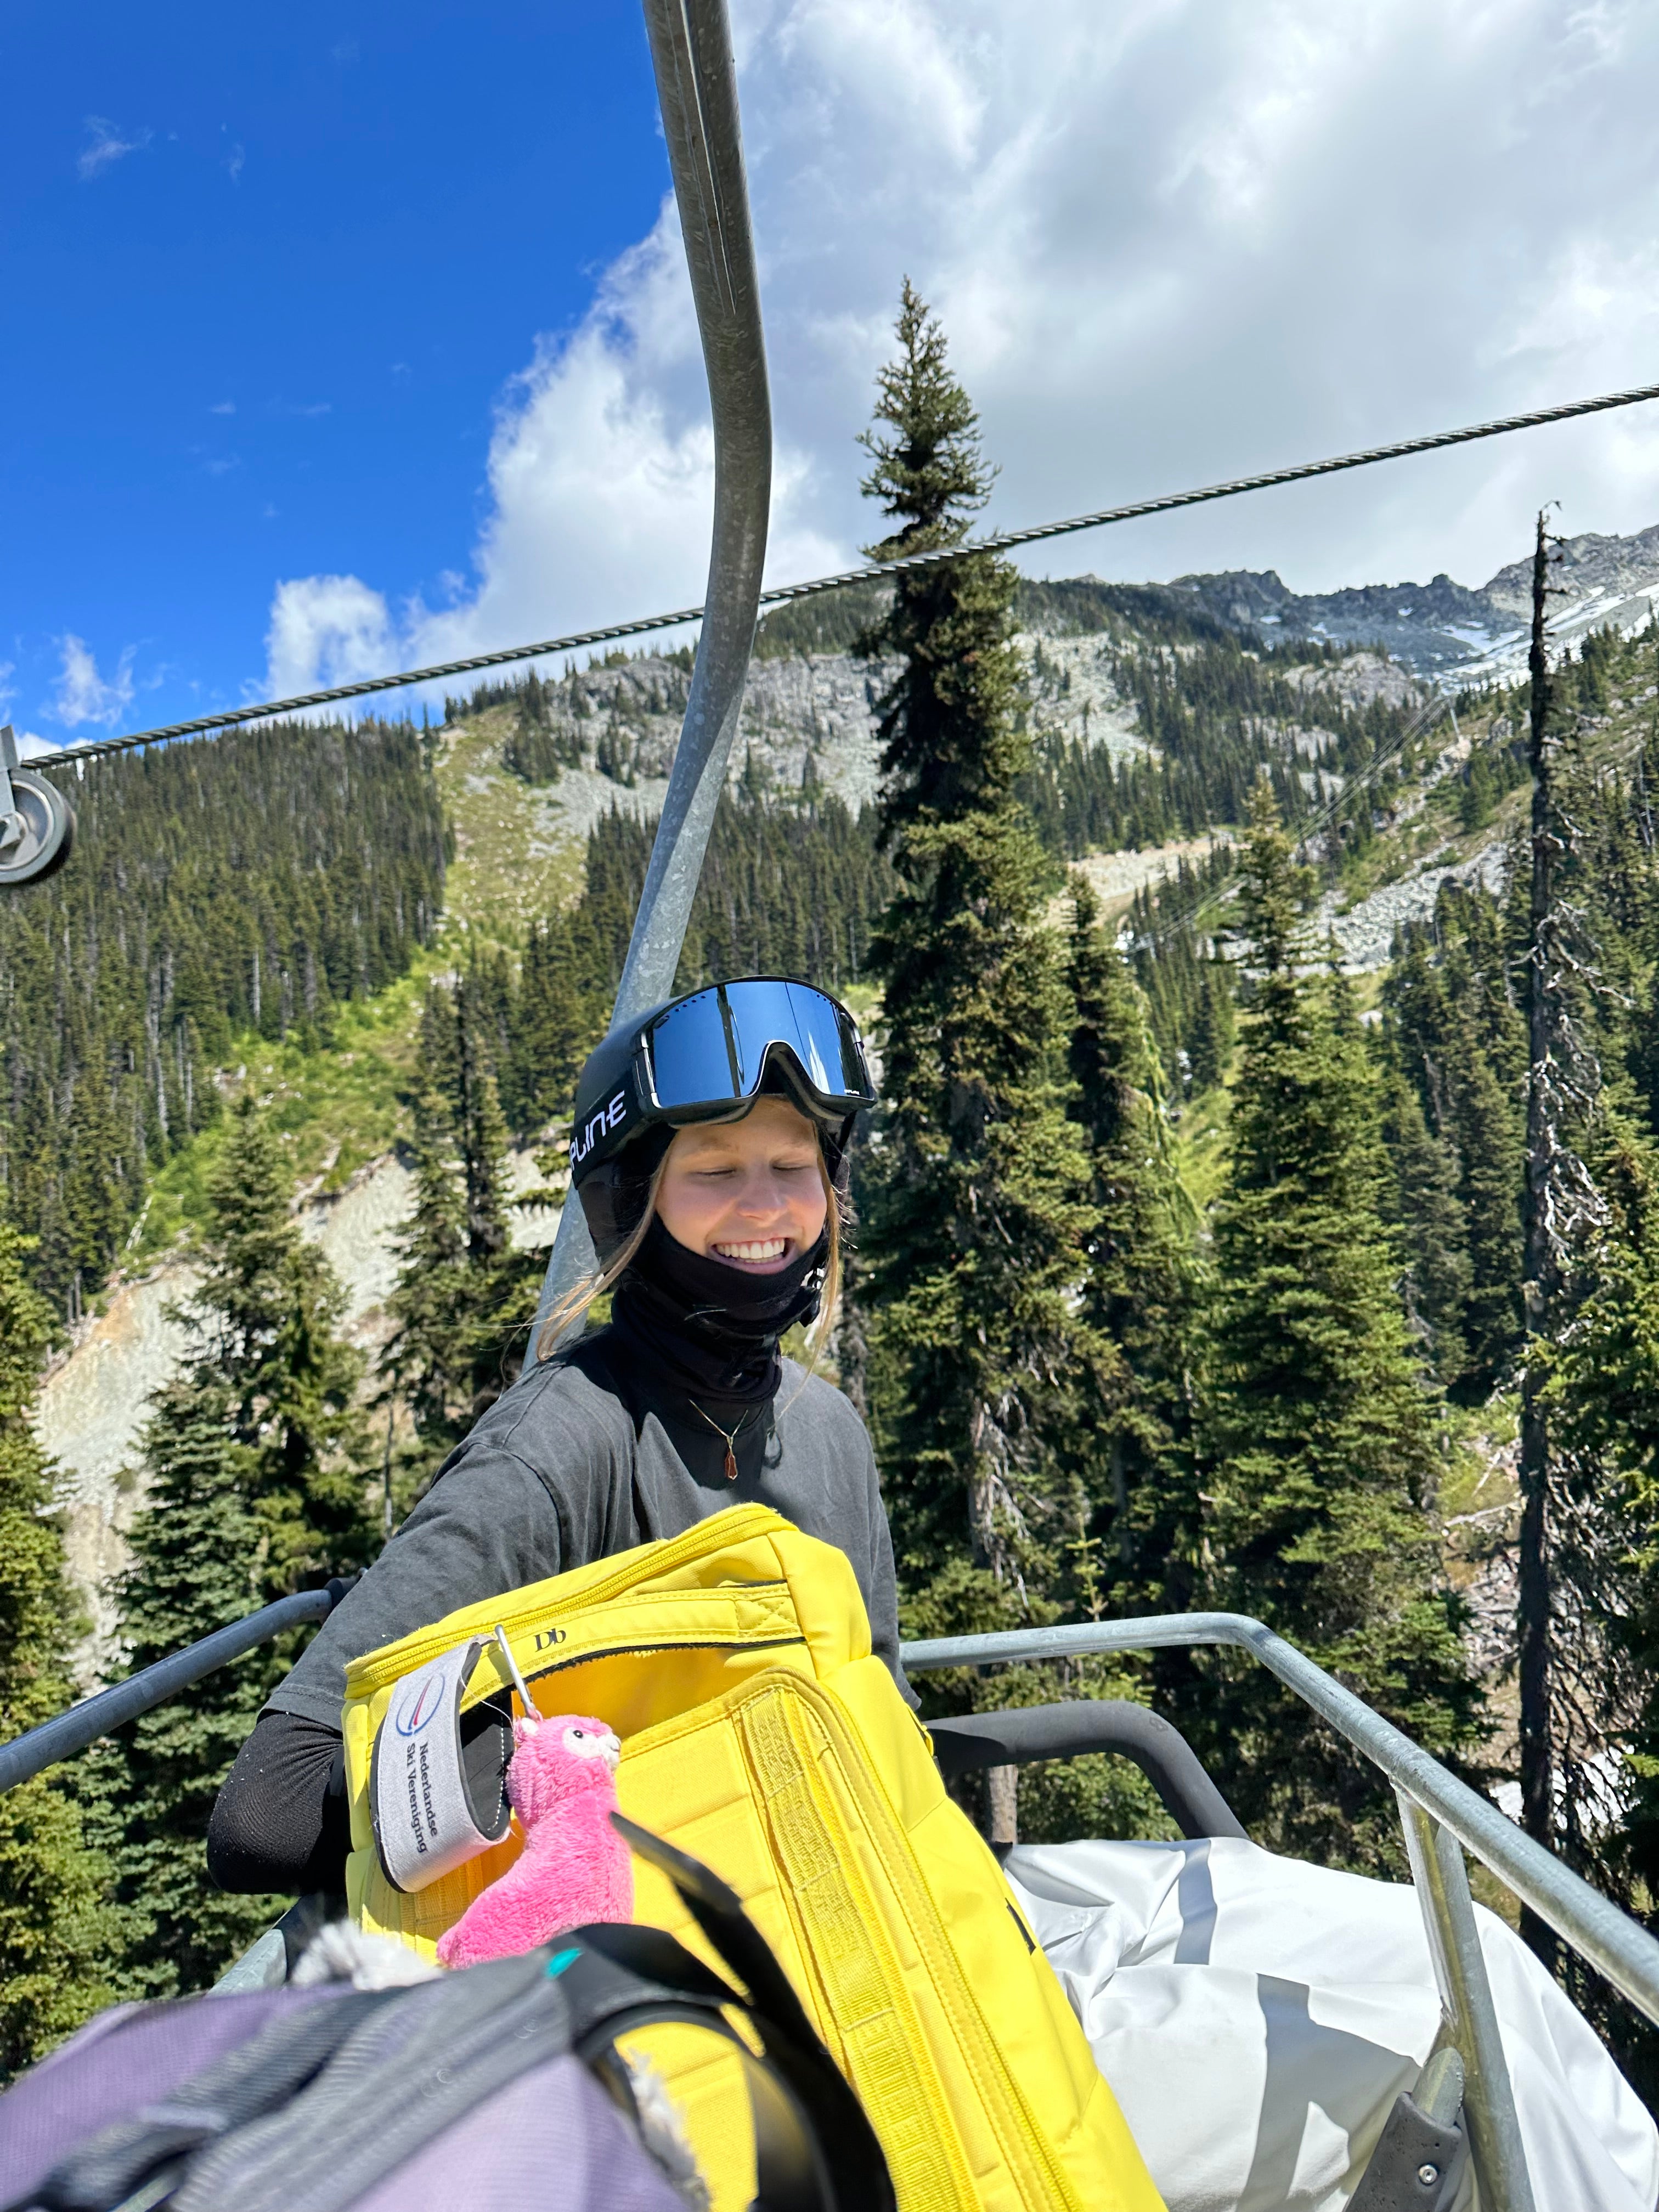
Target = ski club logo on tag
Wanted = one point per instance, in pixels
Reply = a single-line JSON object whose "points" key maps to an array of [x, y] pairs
{"points": [[420, 1702], [597, 1126]]}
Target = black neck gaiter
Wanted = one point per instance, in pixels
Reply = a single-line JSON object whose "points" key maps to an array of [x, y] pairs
{"points": [[710, 1329]]}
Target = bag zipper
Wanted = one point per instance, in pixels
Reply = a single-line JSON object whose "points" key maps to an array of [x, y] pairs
{"points": [[675, 1552]]}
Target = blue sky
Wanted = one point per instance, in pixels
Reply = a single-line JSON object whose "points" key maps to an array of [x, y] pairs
{"points": [[265, 274], [340, 341]]}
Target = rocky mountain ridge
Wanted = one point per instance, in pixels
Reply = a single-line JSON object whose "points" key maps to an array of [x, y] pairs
{"points": [[1443, 630]]}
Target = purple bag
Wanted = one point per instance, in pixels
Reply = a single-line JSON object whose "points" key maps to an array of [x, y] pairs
{"points": [[430, 2096], [473, 2089]]}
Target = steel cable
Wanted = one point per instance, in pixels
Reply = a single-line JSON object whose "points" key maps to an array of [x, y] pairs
{"points": [[782, 594]]}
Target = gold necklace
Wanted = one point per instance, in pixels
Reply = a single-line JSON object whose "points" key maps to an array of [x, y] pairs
{"points": [[731, 1436]]}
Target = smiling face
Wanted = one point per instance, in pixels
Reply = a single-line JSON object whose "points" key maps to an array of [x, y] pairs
{"points": [[750, 1192]]}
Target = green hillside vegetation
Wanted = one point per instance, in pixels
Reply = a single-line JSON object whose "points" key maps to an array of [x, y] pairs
{"points": [[251, 886]]}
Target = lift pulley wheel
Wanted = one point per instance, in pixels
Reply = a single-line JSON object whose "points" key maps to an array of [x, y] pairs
{"points": [[37, 823]]}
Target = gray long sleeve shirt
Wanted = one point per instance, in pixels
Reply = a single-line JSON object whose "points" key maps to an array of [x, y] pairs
{"points": [[561, 1470]]}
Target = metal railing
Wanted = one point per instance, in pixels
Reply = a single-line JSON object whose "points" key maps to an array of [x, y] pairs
{"points": [[1441, 1818], [54, 1740]]}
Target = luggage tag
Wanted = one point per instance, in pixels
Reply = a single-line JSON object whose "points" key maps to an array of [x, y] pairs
{"points": [[438, 1780]]}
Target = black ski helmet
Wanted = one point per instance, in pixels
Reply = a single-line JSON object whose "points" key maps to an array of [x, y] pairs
{"points": [[707, 1056]]}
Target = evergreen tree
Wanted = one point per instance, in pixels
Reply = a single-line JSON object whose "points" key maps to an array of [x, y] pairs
{"points": [[54, 1930], [1601, 1395], [194, 1563], [425, 1361], [975, 1200], [269, 1307], [1143, 1283], [556, 1020], [1420, 1203], [1214, 1027], [480, 1130], [253, 1492], [465, 1297], [1321, 1437], [1461, 1044]]}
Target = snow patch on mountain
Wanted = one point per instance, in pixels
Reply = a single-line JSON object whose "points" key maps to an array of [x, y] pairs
{"points": [[1443, 630]]}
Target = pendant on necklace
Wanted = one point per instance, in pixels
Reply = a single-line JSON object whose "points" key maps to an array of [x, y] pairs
{"points": [[728, 1437]]}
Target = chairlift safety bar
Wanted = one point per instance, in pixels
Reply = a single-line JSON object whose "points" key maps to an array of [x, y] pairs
{"points": [[60, 1739], [1438, 1813], [1596, 1929]]}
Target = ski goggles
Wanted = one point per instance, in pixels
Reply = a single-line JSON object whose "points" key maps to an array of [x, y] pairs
{"points": [[709, 1052]]}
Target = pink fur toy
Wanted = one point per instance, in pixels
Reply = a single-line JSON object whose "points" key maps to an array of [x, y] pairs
{"points": [[561, 1783]]}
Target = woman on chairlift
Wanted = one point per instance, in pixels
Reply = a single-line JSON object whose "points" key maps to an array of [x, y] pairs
{"points": [[1256, 2016], [708, 1153]]}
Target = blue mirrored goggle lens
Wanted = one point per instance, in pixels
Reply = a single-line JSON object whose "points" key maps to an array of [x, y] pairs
{"points": [[714, 1045], [691, 1060]]}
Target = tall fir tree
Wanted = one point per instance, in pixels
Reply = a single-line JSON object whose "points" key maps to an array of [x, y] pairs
{"points": [[426, 1365], [465, 1297], [1421, 1205], [1321, 1447], [1143, 1287], [54, 1928], [269, 1308], [255, 1488], [196, 1555], [982, 1374], [1459, 1041], [976, 1198]]}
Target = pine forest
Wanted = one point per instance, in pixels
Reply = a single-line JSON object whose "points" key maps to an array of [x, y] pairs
{"points": [[1210, 1252]]}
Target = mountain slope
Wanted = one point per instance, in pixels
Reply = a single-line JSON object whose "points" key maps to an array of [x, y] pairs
{"points": [[1107, 664]]}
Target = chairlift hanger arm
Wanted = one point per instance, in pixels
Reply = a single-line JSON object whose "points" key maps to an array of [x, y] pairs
{"points": [[697, 91]]}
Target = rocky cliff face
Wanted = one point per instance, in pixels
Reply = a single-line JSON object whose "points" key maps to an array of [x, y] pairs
{"points": [[95, 1401]]}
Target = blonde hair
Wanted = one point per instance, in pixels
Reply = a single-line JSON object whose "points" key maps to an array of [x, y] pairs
{"points": [[575, 1304]]}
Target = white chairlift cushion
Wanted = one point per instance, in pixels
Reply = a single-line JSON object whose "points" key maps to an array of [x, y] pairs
{"points": [[1256, 2017]]}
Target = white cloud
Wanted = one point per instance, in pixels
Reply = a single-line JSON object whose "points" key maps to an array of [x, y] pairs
{"points": [[30, 747], [326, 630], [83, 695], [1172, 241], [223, 407], [106, 145]]}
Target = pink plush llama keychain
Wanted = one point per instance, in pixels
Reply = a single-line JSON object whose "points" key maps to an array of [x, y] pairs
{"points": [[561, 1783]]}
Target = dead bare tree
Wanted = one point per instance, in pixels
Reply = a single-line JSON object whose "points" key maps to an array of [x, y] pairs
{"points": [[1559, 1540]]}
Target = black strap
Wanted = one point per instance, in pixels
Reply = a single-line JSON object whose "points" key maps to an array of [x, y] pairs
{"points": [[609, 2001], [858, 2166]]}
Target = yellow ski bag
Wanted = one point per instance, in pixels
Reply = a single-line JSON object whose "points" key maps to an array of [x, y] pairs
{"points": [[760, 1734]]}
